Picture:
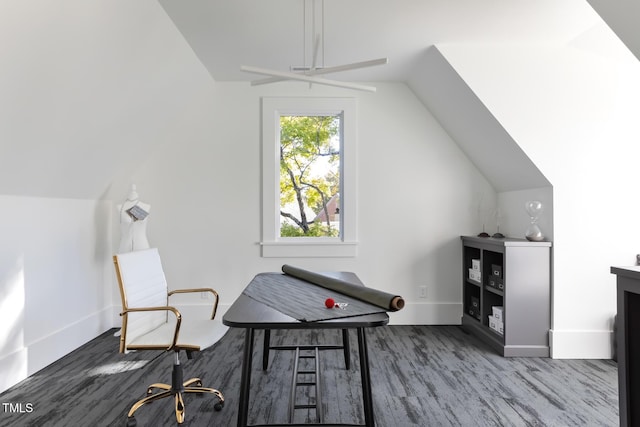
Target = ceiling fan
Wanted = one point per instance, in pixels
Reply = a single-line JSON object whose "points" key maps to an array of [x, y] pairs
{"points": [[312, 74]]}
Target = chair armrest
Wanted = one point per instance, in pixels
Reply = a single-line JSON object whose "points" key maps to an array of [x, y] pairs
{"points": [[216, 297], [163, 308]]}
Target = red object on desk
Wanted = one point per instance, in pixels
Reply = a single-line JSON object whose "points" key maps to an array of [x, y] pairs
{"points": [[330, 303]]}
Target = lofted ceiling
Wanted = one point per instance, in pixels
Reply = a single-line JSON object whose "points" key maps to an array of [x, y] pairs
{"points": [[270, 33], [76, 87], [622, 17], [276, 34]]}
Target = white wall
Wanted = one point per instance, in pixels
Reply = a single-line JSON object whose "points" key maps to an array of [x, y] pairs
{"points": [[621, 17], [53, 266], [89, 89], [114, 89], [417, 193], [576, 118], [515, 220]]}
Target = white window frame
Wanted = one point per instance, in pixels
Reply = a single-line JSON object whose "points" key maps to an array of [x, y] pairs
{"points": [[272, 244]]}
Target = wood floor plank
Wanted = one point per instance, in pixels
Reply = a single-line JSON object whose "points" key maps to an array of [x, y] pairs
{"points": [[421, 376]]}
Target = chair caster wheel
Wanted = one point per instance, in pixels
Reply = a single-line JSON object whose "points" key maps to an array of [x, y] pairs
{"points": [[131, 422], [218, 406]]}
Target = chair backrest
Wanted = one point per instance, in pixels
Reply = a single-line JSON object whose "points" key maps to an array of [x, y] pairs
{"points": [[142, 284]]}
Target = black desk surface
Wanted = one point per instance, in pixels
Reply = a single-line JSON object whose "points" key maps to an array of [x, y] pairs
{"points": [[246, 312]]}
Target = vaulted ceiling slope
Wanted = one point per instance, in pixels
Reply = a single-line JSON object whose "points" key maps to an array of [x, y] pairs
{"points": [[90, 90], [478, 133], [87, 91], [270, 34], [622, 17]]}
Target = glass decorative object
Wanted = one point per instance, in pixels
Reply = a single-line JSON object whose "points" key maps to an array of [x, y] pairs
{"points": [[482, 215], [498, 234], [534, 210]]}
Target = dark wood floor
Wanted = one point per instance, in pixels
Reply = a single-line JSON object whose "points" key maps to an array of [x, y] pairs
{"points": [[421, 375]]}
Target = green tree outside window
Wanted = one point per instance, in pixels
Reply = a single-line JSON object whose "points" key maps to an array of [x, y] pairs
{"points": [[310, 176]]}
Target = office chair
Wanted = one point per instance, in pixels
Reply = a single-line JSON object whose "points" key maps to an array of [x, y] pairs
{"points": [[149, 323]]}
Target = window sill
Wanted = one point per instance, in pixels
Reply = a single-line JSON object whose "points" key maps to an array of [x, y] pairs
{"points": [[308, 249]]}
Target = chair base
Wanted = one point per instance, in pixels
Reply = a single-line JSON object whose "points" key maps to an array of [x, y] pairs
{"points": [[176, 390]]}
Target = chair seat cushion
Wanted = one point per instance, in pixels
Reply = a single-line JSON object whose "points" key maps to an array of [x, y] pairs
{"points": [[196, 334]]}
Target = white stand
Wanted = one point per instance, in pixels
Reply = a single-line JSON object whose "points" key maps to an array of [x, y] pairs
{"points": [[133, 233]]}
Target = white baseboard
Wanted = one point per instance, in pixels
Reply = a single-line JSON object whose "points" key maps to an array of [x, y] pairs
{"points": [[13, 369], [412, 314], [36, 355], [579, 344], [45, 350], [428, 313]]}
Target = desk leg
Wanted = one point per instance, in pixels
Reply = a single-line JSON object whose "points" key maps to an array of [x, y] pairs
{"points": [[245, 381], [367, 399], [346, 349], [266, 346]]}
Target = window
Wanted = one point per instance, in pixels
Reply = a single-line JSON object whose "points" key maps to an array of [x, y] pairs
{"points": [[308, 177]]}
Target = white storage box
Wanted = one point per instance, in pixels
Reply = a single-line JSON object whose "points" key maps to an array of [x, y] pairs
{"points": [[475, 275], [496, 325], [498, 312], [475, 264], [492, 323]]}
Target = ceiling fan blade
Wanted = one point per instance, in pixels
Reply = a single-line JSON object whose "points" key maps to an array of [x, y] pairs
{"points": [[306, 78], [334, 69], [352, 66]]}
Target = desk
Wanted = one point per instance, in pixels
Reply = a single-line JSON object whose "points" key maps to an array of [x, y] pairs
{"points": [[249, 314], [628, 343]]}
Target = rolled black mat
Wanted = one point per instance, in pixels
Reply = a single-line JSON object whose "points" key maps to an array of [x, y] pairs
{"points": [[378, 298]]}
